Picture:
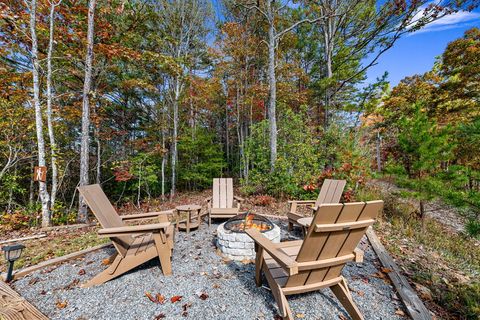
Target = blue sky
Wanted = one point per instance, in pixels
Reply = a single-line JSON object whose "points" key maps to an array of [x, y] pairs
{"points": [[415, 53]]}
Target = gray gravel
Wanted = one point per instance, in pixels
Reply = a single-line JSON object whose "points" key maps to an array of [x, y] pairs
{"points": [[229, 287]]}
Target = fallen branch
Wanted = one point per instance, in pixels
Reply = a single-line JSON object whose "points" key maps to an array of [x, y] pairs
{"points": [[37, 236]]}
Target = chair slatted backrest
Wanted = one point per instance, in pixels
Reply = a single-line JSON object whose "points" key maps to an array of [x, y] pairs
{"points": [[331, 191], [335, 232], [105, 214], [222, 193]]}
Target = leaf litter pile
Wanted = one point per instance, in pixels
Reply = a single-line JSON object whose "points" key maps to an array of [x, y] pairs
{"points": [[203, 285]]}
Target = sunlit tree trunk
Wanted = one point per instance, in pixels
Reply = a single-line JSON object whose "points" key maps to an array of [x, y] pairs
{"points": [[51, 133], [44, 196], [85, 140]]}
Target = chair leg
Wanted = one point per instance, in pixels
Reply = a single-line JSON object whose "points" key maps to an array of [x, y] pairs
{"points": [[164, 254], [279, 296], [345, 297]]}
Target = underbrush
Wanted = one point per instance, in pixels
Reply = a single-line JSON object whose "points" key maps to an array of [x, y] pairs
{"points": [[446, 263]]}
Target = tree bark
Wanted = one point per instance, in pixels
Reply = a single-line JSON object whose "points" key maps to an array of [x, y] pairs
{"points": [[272, 81], [85, 140], [175, 137], [51, 133], [44, 196]]}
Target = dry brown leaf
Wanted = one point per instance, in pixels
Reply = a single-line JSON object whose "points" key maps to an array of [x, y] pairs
{"points": [[150, 297], [106, 262], [61, 304], [160, 316], [360, 293], [81, 272], [176, 299], [386, 270], [342, 317], [160, 298], [300, 315], [400, 312]]}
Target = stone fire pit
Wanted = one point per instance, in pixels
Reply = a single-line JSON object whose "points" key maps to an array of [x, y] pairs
{"points": [[237, 245]]}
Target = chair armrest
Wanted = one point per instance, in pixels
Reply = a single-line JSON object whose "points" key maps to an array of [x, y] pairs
{"points": [[146, 215], [239, 199], [132, 230], [287, 263], [302, 202]]}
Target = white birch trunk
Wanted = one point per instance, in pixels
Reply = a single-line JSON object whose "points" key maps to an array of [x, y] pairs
{"points": [[85, 140], [51, 134], [44, 196]]}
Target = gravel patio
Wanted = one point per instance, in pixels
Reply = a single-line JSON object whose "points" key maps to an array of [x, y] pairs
{"points": [[210, 287]]}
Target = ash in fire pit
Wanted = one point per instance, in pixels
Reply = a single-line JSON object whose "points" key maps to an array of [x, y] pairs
{"points": [[248, 220], [235, 244]]}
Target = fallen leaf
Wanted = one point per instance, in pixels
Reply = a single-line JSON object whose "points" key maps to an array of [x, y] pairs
{"points": [[43, 292], [176, 298], [150, 297], [81, 272], [160, 316], [386, 270], [216, 286], [360, 293], [61, 304], [160, 298], [106, 261], [341, 316], [33, 281], [399, 312], [202, 295], [72, 284], [300, 315]]}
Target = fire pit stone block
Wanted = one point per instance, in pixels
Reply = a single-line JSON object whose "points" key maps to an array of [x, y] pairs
{"points": [[239, 246]]}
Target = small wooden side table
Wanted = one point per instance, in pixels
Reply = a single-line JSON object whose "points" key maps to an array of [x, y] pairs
{"points": [[305, 223], [193, 217]]}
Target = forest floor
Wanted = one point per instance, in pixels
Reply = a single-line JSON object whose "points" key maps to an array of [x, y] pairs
{"points": [[439, 260]]}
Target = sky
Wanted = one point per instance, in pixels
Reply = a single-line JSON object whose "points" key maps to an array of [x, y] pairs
{"points": [[415, 53]]}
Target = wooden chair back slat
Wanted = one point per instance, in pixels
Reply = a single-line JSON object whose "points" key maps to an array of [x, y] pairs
{"points": [[319, 246], [229, 190], [222, 193], [331, 191], [216, 193], [105, 213]]}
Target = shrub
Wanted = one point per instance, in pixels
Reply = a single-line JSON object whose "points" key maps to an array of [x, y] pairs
{"points": [[473, 228]]}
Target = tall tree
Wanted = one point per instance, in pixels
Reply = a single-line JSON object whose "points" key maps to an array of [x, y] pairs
{"points": [[51, 133], [85, 138], [44, 196]]}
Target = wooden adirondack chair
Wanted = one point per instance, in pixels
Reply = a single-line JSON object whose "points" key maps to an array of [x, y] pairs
{"points": [[135, 244], [317, 261], [331, 192], [221, 204]]}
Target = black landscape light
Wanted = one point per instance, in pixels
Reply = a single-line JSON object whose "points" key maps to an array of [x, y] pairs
{"points": [[12, 253]]}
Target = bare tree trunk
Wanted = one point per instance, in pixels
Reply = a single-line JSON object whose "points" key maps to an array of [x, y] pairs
{"points": [[379, 146], [175, 137], [272, 82], [51, 134], [99, 156], [44, 196], [85, 142], [227, 139]]}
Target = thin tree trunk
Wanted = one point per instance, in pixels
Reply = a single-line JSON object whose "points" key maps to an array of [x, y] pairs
{"points": [[175, 137], [44, 196], [85, 142], [227, 139], [51, 134], [99, 156], [272, 81]]}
